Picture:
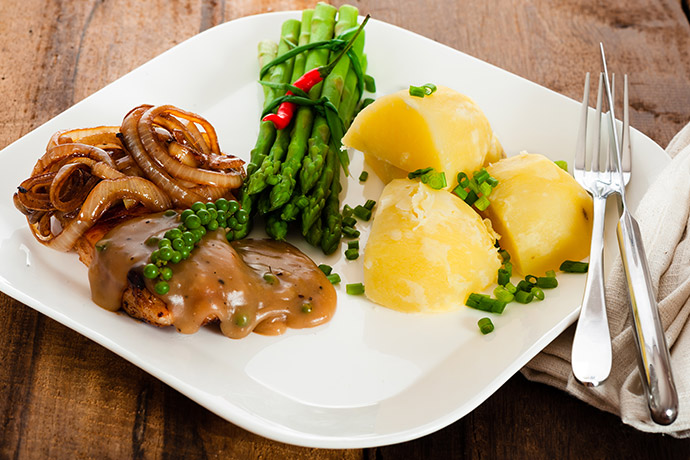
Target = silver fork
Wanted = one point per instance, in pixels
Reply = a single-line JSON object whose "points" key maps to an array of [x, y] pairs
{"points": [[591, 352], [653, 358]]}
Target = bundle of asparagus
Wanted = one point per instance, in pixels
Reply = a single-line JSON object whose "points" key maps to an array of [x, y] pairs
{"points": [[294, 174]]}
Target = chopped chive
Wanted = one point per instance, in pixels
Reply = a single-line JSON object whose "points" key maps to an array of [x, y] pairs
{"points": [[370, 204], [351, 254], [429, 88], [537, 293], [485, 188], [419, 172], [350, 232], [504, 255], [362, 212], [547, 282], [334, 278], [571, 266], [326, 269], [461, 192], [417, 91], [353, 244], [354, 289], [492, 181], [485, 303], [531, 279], [503, 295], [347, 210], [471, 198], [523, 296], [524, 286], [503, 277], [463, 180], [437, 181], [364, 176], [508, 266], [510, 287], [480, 176], [349, 222], [482, 203], [562, 164], [485, 325]]}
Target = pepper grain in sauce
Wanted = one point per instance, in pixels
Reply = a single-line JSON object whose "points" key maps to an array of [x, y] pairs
{"points": [[248, 285]]}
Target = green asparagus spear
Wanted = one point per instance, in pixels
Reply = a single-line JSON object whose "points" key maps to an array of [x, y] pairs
{"points": [[332, 219], [281, 73], [292, 208], [276, 228], [317, 197], [332, 90], [315, 233], [322, 24], [268, 50]]}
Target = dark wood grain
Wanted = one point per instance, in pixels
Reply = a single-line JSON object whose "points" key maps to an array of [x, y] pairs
{"points": [[63, 396]]}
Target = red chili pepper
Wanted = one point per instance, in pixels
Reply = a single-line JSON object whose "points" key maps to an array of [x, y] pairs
{"points": [[285, 111], [281, 119]]}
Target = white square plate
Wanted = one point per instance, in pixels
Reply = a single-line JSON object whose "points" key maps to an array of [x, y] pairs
{"points": [[371, 376]]}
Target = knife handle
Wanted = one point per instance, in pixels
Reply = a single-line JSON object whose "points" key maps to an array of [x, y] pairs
{"points": [[654, 358]]}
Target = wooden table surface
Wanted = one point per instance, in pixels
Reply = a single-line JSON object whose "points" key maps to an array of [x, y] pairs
{"points": [[63, 396]]}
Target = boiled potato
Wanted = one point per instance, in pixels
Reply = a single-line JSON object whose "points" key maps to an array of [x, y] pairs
{"points": [[542, 214], [427, 250], [446, 130]]}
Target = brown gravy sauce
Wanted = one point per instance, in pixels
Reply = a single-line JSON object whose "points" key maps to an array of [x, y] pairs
{"points": [[220, 280]]}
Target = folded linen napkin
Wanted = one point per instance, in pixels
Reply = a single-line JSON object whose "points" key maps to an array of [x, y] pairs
{"points": [[663, 216]]}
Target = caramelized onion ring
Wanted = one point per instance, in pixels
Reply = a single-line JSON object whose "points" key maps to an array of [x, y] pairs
{"points": [[101, 198]]}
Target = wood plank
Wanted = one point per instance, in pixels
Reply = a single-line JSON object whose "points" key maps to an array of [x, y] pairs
{"points": [[63, 396]]}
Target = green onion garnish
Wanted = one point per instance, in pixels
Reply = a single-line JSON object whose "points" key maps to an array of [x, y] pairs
{"points": [[482, 203], [562, 164], [334, 278], [503, 277], [485, 303], [551, 274], [418, 172], [354, 289], [485, 325], [504, 255], [523, 296], [460, 191], [480, 176], [370, 204], [364, 176], [537, 293], [326, 269], [350, 232], [510, 287], [349, 221], [547, 282], [503, 294], [417, 91], [351, 254], [353, 244], [571, 266], [362, 213]]}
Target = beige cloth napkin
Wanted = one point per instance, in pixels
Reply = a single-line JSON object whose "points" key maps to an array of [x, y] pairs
{"points": [[663, 217]]}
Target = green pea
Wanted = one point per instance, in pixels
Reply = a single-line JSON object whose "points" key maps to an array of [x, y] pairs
{"points": [[241, 320], [188, 238], [233, 206], [192, 222], [166, 273], [178, 243], [169, 213], [151, 271], [204, 216], [152, 241], [221, 215], [186, 213], [155, 256], [162, 288], [214, 213], [242, 216], [164, 243], [173, 233], [184, 253], [222, 204], [199, 233], [230, 236], [270, 278], [176, 257], [210, 205], [232, 222], [306, 307], [198, 205], [165, 253], [212, 225]]}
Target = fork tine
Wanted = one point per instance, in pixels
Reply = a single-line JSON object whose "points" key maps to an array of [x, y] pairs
{"points": [[596, 154], [581, 146], [625, 136]]}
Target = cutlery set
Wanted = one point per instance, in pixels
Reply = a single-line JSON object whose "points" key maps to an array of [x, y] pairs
{"points": [[604, 173]]}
